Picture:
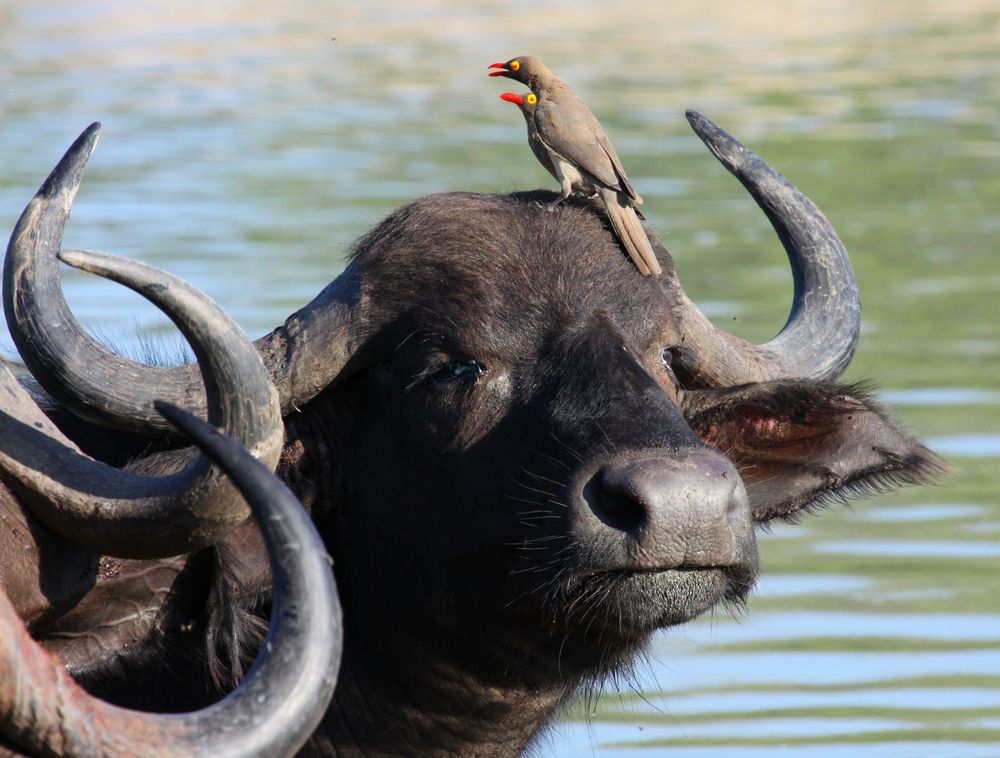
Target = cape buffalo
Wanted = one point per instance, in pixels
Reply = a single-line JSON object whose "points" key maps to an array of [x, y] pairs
{"points": [[523, 456]]}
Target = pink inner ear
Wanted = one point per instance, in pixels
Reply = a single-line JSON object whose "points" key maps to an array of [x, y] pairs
{"points": [[797, 445], [754, 432], [763, 426]]}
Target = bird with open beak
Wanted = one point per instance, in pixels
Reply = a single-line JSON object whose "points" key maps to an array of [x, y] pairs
{"points": [[569, 142]]}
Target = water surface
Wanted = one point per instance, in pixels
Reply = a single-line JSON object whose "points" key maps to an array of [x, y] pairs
{"points": [[244, 149]]}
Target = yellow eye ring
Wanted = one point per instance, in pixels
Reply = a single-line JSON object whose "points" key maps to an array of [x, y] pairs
{"points": [[515, 65], [531, 99]]}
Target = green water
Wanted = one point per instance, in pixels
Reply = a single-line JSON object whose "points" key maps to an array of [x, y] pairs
{"points": [[244, 149]]}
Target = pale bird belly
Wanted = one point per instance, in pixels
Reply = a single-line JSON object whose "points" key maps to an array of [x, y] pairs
{"points": [[567, 172]]}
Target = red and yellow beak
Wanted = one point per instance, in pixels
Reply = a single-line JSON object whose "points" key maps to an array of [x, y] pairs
{"points": [[510, 97], [504, 71]]}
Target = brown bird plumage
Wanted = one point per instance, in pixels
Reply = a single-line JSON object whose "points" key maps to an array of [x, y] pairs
{"points": [[569, 142]]}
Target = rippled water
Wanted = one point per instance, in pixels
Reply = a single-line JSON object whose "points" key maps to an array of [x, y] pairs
{"points": [[244, 149]]}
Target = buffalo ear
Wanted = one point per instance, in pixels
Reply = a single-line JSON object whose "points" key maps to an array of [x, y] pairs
{"points": [[799, 445]]}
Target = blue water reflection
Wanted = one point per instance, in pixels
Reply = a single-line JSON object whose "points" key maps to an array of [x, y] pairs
{"points": [[937, 396], [912, 548], [778, 625], [890, 697], [967, 445], [573, 741], [924, 512], [245, 151], [736, 669]]}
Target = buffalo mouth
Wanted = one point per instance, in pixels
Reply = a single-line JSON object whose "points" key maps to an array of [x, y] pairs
{"points": [[643, 600], [655, 539]]}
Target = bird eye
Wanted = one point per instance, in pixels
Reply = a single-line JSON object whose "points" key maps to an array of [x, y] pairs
{"points": [[531, 99], [457, 371], [515, 65]]}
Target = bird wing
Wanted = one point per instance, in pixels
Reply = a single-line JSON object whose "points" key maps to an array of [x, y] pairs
{"points": [[566, 126], [540, 150], [624, 184]]}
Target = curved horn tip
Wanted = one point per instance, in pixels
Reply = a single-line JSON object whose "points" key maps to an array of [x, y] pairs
{"points": [[68, 173], [185, 421], [93, 263], [72, 258], [724, 146], [118, 268], [694, 118]]}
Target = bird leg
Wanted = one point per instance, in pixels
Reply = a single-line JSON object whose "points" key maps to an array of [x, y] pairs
{"points": [[565, 190]]}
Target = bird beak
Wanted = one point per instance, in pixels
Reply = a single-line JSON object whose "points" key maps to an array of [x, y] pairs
{"points": [[502, 72], [510, 97]]}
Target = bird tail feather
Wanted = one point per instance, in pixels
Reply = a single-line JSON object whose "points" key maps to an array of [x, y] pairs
{"points": [[631, 234]]}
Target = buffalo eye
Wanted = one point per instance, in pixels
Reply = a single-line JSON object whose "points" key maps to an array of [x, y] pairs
{"points": [[457, 371], [667, 356]]}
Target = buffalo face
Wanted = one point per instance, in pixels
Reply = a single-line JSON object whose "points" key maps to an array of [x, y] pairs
{"points": [[520, 454]]}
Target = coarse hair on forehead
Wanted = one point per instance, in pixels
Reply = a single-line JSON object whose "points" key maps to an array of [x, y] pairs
{"points": [[496, 241], [497, 262]]}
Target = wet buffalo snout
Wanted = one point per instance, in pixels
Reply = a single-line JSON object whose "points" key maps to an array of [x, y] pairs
{"points": [[683, 510]]}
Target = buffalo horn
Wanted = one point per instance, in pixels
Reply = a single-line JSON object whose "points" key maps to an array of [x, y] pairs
{"points": [[123, 514], [274, 710], [303, 356], [819, 338]]}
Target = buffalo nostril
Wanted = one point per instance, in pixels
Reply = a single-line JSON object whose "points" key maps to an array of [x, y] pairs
{"points": [[671, 510], [615, 498]]}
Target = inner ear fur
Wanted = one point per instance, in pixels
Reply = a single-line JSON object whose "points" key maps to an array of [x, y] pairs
{"points": [[801, 445]]}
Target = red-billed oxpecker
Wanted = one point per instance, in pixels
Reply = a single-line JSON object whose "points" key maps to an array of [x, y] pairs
{"points": [[569, 142]]}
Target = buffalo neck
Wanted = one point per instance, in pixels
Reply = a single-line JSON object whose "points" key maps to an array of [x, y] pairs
{"points": [[401, 704]]}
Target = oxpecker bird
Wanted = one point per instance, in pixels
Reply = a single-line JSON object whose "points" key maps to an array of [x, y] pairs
{"points": [[569, 142]]}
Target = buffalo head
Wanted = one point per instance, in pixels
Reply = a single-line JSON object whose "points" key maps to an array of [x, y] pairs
{"points": [[523, 456]]}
